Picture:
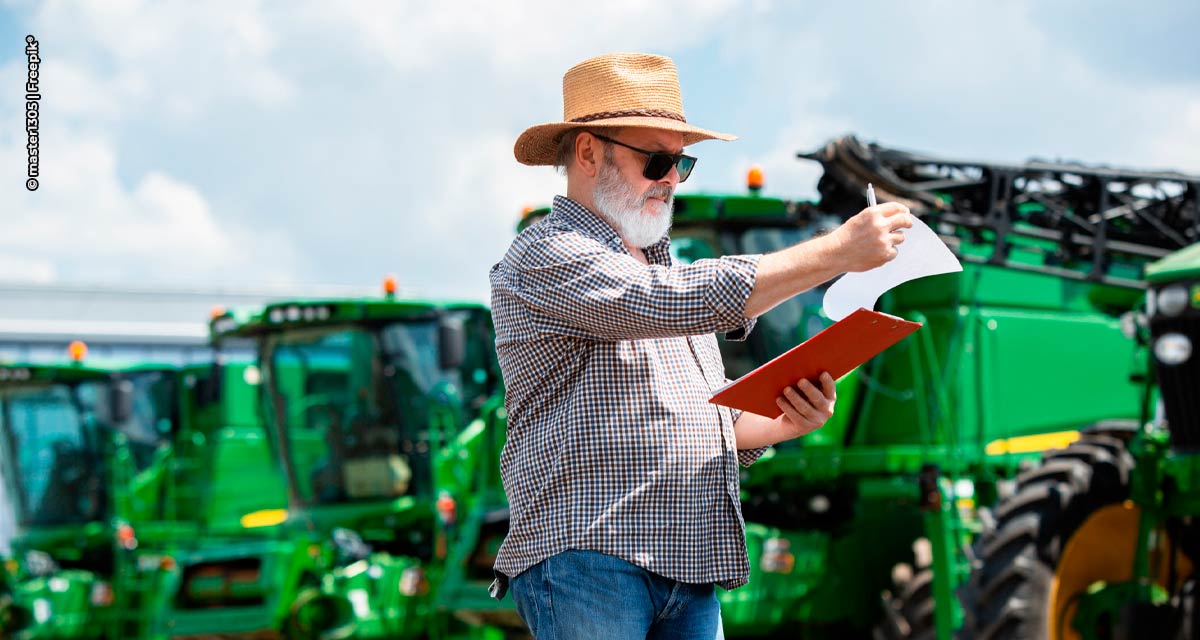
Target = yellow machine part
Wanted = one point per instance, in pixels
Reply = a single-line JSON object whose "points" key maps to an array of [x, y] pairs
{"points": [[1032, 443], [1102, 551]]}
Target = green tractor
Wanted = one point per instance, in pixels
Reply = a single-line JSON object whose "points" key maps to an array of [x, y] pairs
{"points": [[865, 527], [386, 417], [84, 453], [130, 487], [229, 502], [1101, 539]]}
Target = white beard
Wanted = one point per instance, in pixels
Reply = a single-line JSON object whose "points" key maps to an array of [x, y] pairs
{"points": [[617, 203]]}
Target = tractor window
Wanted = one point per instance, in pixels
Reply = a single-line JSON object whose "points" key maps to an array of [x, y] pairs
{"points": [[355, 405], [148, 427], [53, 437], [480, 370]]}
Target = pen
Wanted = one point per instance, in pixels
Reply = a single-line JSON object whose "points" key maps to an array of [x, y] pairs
{"points": [[870, 195]]}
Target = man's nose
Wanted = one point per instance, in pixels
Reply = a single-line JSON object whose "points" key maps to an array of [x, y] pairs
{"points": [[672, 177]]}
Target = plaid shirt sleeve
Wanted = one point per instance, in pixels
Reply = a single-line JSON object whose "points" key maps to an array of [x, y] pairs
{"points": [[577, 287]]}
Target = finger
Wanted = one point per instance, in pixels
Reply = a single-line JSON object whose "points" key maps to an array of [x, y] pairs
{"points": [[812, 393], [901, 221], [828, 387], [820, 406], [789, 410], [895, 238], [801, 404], [891, 209]]}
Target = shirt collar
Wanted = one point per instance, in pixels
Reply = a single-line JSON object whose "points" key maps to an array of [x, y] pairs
{"points": [[583, 219]]}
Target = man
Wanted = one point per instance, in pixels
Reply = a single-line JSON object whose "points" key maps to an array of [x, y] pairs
{"points": [[622, 479]]}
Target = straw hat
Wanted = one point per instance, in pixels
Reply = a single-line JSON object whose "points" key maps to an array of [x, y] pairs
{"points": [[614, 90]]}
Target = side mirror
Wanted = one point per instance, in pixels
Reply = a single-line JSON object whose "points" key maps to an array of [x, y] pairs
{"points": [[452, 344], [122, 401]]}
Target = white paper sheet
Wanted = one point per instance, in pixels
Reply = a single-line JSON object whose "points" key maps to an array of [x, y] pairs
{"points": [[921, 254]]}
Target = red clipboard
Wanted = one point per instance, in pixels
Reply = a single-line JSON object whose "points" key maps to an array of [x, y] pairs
{"points": [[838, 349]]}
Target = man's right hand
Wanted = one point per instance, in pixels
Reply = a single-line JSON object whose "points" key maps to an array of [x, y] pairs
{"points": [[869, 239], [863, 242]]}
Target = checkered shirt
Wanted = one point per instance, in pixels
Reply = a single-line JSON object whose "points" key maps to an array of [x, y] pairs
{"points": [[608, 365]]}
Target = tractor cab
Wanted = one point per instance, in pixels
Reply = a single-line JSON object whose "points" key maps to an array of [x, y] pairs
{"points": [[375, 409], [84, 454]]}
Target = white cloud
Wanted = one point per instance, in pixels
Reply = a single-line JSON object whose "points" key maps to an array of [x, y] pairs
{"points": [[509, 38], [152, 59], [85, 224]]}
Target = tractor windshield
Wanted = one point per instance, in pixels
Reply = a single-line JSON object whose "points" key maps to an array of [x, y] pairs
{"points": [[356, 408], [793, 321], [53, 452], [147, 427], [55, 443]]}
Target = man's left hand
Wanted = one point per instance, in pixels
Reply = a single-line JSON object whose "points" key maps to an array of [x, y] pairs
{"points": [[806, 407]]}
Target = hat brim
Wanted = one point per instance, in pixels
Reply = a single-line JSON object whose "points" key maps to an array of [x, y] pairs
{"points": [[538, 145]]}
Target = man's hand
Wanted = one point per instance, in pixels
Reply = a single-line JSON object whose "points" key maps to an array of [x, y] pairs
{"points": [[869, 239], [863, 242], [805, 407]]}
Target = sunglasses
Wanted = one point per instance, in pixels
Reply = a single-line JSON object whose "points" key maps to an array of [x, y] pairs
{"points": [[658, 164]]}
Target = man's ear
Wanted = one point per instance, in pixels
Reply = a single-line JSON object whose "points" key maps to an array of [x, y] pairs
{"points": [[588, 152]]}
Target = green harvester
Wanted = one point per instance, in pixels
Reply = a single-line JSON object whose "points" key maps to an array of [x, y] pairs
{"points": [[386, 419], [85, 457]]}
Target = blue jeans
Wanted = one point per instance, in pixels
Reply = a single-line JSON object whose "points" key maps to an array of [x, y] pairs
{"points": [[588, 595]]}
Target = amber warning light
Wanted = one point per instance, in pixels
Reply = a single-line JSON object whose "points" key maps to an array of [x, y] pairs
{"points": [[77, 350], [389, 286], [754, 178]]}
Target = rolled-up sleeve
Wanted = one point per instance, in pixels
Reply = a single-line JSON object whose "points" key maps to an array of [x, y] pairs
{"points": [[576, 286]]}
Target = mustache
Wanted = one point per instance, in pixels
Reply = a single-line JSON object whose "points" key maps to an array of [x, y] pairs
{"points": [[658, 191]]}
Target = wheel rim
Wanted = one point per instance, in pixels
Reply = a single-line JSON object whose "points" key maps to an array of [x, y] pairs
{"points": [[1102, 551]]}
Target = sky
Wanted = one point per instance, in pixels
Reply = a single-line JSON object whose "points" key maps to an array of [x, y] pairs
{"points": [[246, 144]]}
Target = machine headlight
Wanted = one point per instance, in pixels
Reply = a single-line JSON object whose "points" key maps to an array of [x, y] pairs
{"points": [[101, 595], [1132, 323], [1173, 348], [350, 545], [1172, 300], [41, 610], [40, 564], [413, 582]]}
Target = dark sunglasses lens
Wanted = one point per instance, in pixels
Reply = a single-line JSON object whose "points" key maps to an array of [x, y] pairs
{"points": [[657, 166], [685, 165]]}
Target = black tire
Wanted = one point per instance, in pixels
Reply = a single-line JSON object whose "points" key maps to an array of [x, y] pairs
{"points": [[1009, 588], [908, 609]]}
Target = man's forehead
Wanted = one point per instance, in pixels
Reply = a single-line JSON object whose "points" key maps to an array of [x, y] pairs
{"points": [[654, 139]]}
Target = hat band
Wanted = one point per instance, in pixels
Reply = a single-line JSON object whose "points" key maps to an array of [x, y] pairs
{"points": [[645, 113]]}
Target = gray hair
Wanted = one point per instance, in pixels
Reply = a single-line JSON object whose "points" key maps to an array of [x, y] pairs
{"points": [[566, 147]]}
